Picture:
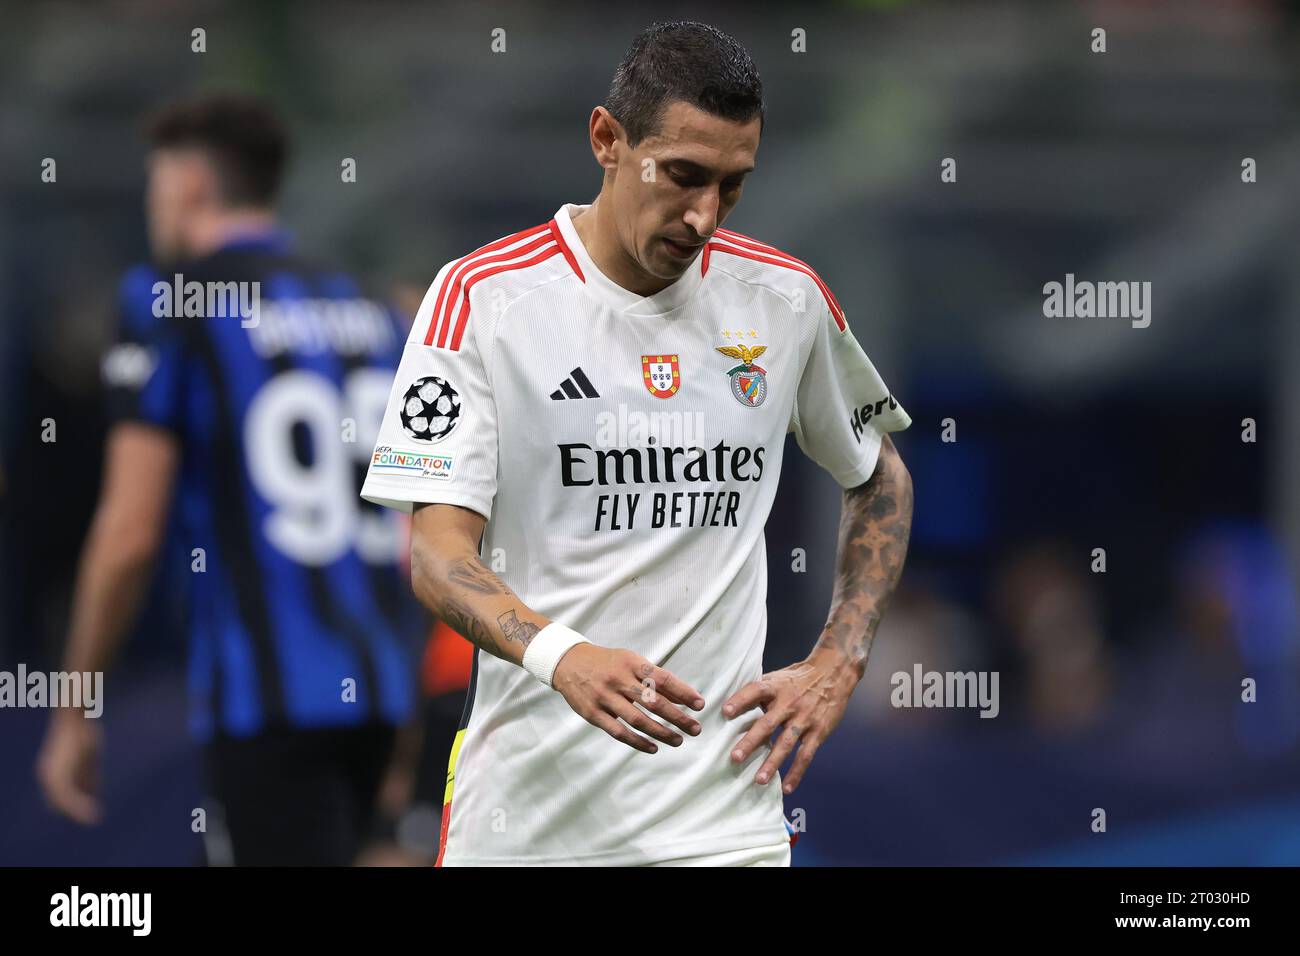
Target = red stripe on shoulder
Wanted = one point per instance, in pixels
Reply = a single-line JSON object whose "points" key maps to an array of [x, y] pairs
{"points": [[462, 318], [564, 247], [762, 252], [460, 289], [463, 263]]}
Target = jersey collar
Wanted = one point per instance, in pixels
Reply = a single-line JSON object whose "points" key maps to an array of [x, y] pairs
{"points": [[610, 292]]}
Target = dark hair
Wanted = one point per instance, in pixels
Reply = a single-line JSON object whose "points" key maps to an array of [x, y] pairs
{"points": [[689, 61], [244, 135]]}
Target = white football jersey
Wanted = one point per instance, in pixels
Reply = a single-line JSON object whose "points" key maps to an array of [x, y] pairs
{"points": [[625, 450]]}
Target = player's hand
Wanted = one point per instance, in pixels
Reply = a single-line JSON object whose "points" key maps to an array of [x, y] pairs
{"points": [[609, 687], [68, 766], [804, 701]]}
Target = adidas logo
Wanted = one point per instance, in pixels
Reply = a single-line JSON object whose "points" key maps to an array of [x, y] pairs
{"points": [[577, 385]]}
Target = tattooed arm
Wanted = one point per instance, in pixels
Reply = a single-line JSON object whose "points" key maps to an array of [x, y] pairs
{"points": [[875, 523], [611, 688], [806, 700], [451, 580]]}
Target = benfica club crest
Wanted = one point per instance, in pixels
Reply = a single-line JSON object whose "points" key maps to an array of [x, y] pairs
{"points": [[661, 374], [748, 381]]}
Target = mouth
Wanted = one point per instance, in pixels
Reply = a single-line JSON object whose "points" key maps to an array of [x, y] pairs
{"points": [[682, 250]]}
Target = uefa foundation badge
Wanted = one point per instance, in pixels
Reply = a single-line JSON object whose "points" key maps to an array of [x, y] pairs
{"points": [[662, 375], [748, 381]]}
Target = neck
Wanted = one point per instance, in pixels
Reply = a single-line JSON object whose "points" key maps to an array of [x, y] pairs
{"points": [[211, 232], [599, 235]]}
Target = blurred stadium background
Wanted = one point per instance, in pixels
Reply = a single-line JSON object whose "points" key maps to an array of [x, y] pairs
{"points": [[1119, 690]]}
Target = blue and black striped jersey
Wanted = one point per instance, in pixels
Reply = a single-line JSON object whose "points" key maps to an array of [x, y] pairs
{"points": [[273, 374]]}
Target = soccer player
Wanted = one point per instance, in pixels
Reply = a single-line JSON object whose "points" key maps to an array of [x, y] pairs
{"points": [[259, 422], [588, 423]]}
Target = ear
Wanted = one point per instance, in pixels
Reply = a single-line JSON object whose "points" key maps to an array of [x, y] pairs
{"points": [[607, 138]]}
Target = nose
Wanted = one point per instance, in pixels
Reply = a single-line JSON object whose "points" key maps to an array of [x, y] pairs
{"points": [[702, 216]]}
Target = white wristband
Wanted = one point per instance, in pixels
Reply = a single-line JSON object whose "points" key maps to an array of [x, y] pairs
{"points": [[544, 651]]}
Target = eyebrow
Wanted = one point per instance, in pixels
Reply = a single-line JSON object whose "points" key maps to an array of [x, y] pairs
{"points": [[694, 167]]}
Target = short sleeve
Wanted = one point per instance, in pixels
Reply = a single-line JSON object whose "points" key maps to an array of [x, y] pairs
{"points": [[438, 440], [843, 407], [144, 369]]}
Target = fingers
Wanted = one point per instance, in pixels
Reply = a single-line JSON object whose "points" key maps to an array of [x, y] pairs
{"points": [[64, 796], [610, 687], [79, 805], [757, 736], [648, 697], [803, 702], [755, 693], [807, 749], [622, 732], [795, 731], [781, 749], [638, 719], [669, 685]]}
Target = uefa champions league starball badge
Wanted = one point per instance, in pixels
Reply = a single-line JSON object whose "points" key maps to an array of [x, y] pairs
{"points": [[748, 381], [430, 409]]}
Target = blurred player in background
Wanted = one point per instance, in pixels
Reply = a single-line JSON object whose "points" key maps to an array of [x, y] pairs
{"points": [[588, 423], [412, 800], [257, 421]]}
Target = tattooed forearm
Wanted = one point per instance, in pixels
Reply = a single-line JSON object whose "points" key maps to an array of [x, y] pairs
{"points": [[470, 573], [469, 599], [462, 620], [517, 630], [875, 524], [450, 579]]}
